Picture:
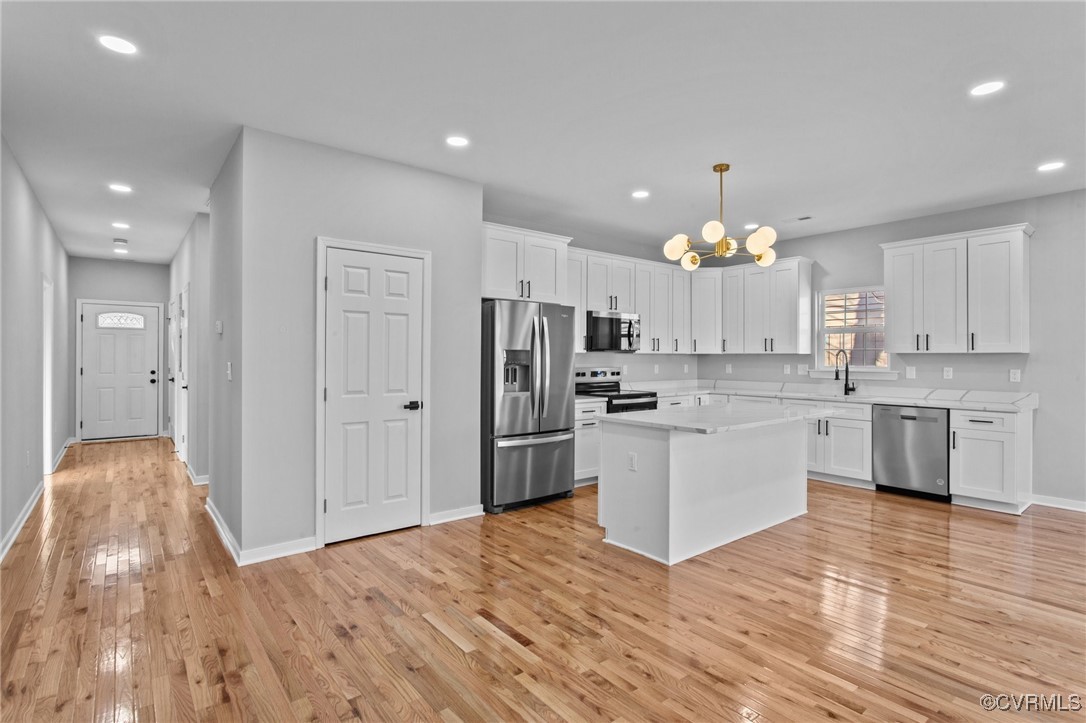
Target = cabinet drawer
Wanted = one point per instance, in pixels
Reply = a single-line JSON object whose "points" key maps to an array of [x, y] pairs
{"points": [[587, 423], [588, 411], [845, 410], [991, 421]]}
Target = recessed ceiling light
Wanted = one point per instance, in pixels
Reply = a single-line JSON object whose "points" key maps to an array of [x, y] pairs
{"points": [[1051, 166], [120, 250], [119, 224], [117, 45], [986, 88], [457, 141], [751, 226], [640, 194], [120, 188]]}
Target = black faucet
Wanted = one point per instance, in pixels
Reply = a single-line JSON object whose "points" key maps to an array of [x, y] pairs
{"points": [[849, 387]]}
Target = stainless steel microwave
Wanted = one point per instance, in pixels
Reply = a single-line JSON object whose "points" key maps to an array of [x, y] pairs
{"points": [[612, 331]]}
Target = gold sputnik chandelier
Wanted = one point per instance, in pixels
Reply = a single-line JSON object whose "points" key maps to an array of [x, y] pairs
{"points": [[758, 244]]}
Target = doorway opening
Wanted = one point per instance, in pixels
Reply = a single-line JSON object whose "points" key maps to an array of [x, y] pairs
{"points": [[47, 375]]}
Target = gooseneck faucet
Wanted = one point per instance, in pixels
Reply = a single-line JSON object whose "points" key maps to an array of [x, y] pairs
{"points": [[849, 388]]}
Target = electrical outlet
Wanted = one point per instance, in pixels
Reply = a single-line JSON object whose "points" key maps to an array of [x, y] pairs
{"points": [[625, 369], [910, 372], [655, 368], [28, 458], [1016, 375], [229, 371], [686, 368], [727, 368], [632, 461], [218, 327], [948, 372], [787, 368], [801, 369]]}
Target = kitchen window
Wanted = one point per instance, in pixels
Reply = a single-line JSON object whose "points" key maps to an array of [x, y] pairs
{"points": [[853, 321]]}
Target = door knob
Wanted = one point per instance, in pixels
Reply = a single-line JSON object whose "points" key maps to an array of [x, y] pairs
{"points": [[153, 371], [154, 381], [413, 406], [185, 386], [171, 379]]}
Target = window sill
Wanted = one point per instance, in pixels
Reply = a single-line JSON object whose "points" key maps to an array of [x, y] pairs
{"points": [[885, 375]]}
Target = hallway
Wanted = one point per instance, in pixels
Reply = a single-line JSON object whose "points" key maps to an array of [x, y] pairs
{"points": [[120, 603]]}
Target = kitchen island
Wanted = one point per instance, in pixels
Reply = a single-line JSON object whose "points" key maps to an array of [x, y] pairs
{"points": [[677, 482]]}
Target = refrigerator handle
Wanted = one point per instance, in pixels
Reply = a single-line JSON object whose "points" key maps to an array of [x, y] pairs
{"points": [[536, 361], [547, 375]]}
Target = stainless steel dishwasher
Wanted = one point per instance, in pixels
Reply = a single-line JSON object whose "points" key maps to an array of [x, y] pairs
{"points": [[910, 448]]}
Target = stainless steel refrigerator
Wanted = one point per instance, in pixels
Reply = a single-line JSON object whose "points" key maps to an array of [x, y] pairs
{"points": [[527, 419]]}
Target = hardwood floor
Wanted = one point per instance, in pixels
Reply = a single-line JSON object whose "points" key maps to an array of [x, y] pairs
{"points": [[119, 603]]}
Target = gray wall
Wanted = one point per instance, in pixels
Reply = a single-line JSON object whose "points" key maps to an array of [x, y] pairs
{"points": [[295, 191], [191, 266], [1055, 366], [224, 299], [29, 249], [111, 280]]}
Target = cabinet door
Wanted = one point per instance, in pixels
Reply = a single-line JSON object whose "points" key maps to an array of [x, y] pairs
{"points": [[815, 454], [784, 308], [945, 297], [705, 310], [902, 275], [576, 263], [756, 309], [598, 291], [622, 285], [544, 271], [661, 309], [643, 306], [502, 264], [998, 298], [680, 311], [982, 464], [587, 441], [847, 445], [731, 320]]}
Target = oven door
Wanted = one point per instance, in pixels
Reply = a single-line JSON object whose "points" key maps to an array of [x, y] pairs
{"points": [[613, 331], [640, 404]]}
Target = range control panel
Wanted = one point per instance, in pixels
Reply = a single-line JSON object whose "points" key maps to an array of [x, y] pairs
{"points": [[598, 374]]}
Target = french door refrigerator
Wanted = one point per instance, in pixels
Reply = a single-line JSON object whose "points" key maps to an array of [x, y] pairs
{"points": [[528, 408]]}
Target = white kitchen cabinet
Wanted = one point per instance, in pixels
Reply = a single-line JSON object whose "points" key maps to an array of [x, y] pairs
{"points": [[705, 311], [610, 283], [752, 401], [712, 400], [847, 447], [983, 455], [522, 264], [576, 268], [680, 311], [685, 400], [587, 440], [731, 317], [661, 308], [957, 293], [643, 298], [777, 307]]}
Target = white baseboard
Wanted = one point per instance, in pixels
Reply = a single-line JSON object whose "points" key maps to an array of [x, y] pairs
{"points": [[1010, 508], [225, 535], [201, 480], [60, 454], [1060, 503], [258, 554], [838, 480], [585, 482], [196, 479], [24, 514], [438, 518]]}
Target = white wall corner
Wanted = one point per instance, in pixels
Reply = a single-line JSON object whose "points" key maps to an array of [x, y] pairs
{"points": [[280, 549], [196, 479], [225, 535], [438, 518], [60, 454], [1060, 503], [24, 515], [201, 480]]}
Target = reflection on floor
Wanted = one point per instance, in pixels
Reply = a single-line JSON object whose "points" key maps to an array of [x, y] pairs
{"points": [[120, 603]]}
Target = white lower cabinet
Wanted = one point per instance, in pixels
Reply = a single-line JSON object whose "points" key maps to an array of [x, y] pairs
{"points": [[838, 445], [587, 440], [709, 399], [741, 400], [686, 400], [983, 458]]}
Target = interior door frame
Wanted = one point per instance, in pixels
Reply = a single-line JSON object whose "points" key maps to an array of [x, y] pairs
{"points": [[324, 243], [79, 360]]}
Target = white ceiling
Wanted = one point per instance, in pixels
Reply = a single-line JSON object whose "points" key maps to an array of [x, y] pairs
{"points": [[853, 113]]}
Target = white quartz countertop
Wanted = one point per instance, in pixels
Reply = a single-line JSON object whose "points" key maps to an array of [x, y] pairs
{"points": [[714, 419], [975, 400]]}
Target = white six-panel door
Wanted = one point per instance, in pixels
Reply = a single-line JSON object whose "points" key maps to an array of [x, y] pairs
{"points": [[373, 444], [120, 370]]}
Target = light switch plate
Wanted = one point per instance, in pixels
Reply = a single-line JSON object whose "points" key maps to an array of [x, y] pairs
{"points": [[727, 368], [218, 327], [229, 371], [686, 368], [1016, 375], [655, 368], [787, 368], [948, 372], [910, 372], [632, 461]]}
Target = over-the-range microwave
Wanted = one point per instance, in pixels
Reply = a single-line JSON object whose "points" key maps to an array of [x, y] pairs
{"points": [[612, 331]]}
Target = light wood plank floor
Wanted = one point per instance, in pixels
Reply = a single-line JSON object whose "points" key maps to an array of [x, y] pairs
{"points": [[119, 603]]}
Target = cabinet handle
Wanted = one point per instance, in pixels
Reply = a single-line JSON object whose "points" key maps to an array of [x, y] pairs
{"points": [[827, 427], [972, 341], [529, 289], [820, 426], [982, 421], [723, 345], [927, 342], [765, 344], [918, 342], [676, 345], [695, 346], [588, 424], [521, 292], [771, 343], [953, 440]]}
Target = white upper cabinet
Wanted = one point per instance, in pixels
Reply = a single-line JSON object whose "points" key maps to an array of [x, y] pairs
{"points": [[680, 311], [731, 318], [705, 311], [777, 307], [521, 264], [576, 275], [958, 293], [610, 283], [643, 298]]}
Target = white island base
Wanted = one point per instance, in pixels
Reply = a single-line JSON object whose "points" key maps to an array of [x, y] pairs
{"points": [[675, 484]]}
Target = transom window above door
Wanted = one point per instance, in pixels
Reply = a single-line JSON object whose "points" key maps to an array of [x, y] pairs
{"points": [[120, 320]]}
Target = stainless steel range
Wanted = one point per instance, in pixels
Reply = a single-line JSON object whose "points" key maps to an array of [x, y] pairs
{"points": [[606, 383]]}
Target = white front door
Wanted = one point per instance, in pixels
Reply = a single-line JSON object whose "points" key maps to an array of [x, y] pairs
{"points": [[120, 370], [373, 441]]}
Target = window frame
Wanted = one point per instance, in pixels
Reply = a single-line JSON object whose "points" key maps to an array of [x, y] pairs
{"points": [[821, 330]]}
